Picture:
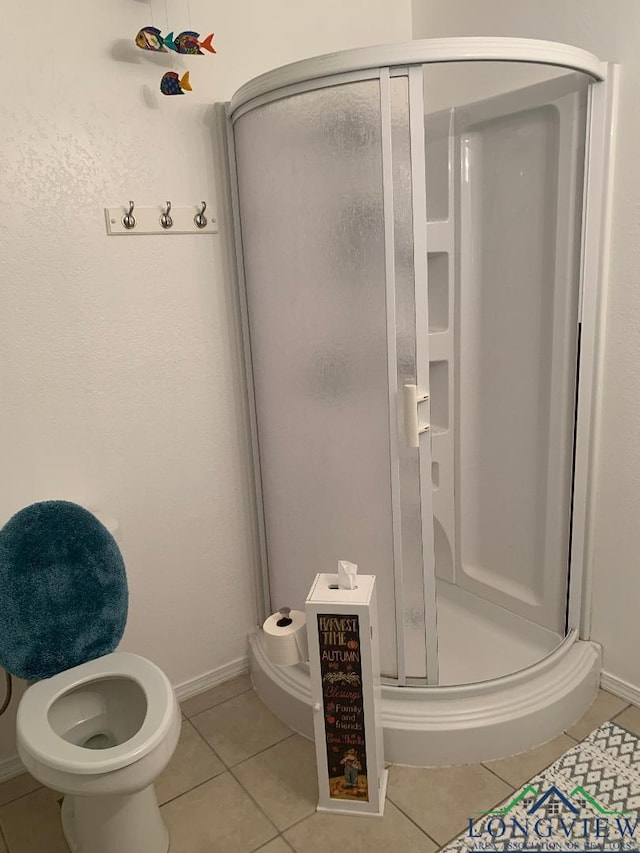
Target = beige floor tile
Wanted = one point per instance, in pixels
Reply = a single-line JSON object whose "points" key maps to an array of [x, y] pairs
{"points": [[629, 719], [442, 799], [605, 706], [278, 845], [217, 817], [240, 727], [32, 824], [283, 780], [17, 787], [193, 762], [518, 769], [216, 695], [394, 833]]}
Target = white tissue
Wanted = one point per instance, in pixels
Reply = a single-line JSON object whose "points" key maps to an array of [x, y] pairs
{"points": [[347, 574]]}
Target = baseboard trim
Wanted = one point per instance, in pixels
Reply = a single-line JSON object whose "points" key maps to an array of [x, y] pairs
{"points": [[620, 688], [212, 679], [11, 767]]}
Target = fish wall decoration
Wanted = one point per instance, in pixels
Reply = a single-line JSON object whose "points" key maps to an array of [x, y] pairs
{"points": [[185, 43], [149, 38], [172, 84], [188, 42]]}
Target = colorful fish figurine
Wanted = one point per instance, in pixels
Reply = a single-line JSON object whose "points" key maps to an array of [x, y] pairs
{"points": [[149, 38], [172, 84], [187, 42]]}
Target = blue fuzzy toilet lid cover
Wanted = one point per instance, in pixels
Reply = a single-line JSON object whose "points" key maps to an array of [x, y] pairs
{"points": [[63, 590]]}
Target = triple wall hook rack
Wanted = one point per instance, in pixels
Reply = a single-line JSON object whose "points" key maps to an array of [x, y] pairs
{"points": [[159, 219]]}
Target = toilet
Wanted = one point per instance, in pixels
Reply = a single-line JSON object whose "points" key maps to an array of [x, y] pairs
{"points": [[101, 731]]}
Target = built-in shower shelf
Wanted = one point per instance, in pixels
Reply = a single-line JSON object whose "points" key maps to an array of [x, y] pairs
{"points": [[439, 289], [440, 236], [440, 346]]}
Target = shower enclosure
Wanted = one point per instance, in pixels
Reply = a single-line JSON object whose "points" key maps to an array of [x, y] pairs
{"points": [[419, 232]]}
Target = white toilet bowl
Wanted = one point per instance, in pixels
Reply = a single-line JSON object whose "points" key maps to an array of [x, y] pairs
{"points": [[101, 733]]}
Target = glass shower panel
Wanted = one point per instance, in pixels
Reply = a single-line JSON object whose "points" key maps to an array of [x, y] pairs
{"points": [[310, 194]]}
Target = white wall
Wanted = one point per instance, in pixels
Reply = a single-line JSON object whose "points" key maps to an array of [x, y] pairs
{"points": [[119, 357], [612, 31]]}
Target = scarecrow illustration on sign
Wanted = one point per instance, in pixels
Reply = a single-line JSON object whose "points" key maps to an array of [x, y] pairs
{"points": [[351, 767]]}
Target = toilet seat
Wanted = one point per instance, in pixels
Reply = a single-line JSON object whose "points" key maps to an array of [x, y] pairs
{"points": [[37, 736]]}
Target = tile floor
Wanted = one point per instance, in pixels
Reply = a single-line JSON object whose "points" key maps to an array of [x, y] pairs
{"points": [[241, 781]]}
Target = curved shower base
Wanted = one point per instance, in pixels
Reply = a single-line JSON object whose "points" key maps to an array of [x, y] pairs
{"points": [[435, 726]]}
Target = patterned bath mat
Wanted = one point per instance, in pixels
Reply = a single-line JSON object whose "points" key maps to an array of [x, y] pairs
{"points": [[587, 800]]}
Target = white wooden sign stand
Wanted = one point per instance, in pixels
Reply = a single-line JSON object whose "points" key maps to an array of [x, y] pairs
{"points": [[342, 632]]}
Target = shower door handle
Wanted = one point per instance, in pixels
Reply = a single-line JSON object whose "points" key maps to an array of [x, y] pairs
{"points": [[412, 428]]}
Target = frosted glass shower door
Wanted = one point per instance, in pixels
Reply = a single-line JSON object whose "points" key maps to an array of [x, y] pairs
{"points": [[330, 311]]}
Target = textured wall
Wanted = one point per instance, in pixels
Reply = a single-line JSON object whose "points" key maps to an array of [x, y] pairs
{"points": [[119, 367], [612, 31]]}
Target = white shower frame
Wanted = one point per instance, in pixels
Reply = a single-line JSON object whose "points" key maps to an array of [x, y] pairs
{"points": [[489, 719]]}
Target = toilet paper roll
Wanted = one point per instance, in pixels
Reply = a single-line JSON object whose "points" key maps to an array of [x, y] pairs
{"points": [[287, 644]]}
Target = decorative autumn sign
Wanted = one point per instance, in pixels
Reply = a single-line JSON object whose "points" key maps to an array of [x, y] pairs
{"points": [[340, 667]]}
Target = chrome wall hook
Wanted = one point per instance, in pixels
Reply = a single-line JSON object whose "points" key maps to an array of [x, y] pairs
{"points": [[129, 220], [200, 219], [165, 220]]}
